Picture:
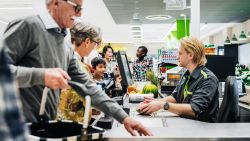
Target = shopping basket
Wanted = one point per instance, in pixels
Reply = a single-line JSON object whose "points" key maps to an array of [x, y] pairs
{"points": [[63, 130]]}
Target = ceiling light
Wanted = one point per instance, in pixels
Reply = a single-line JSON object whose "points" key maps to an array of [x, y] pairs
{"points": [[234, 40], [136, 29], [242, 36], [158, 17], [175, 4], [136, 33], [182, 15], [137, 36], [227, 41], [136, 20], [137, 39]]}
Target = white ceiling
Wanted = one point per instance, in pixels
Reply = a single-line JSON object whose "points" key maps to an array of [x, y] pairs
{"points": [[96, 12]]}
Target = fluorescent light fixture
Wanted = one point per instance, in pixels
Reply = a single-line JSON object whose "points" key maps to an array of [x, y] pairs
{"points": [[135, 25], [175, 4], [137, 39], [136, 33], [158, 17], [136, 20], [182, 15], [136, 36], [136, 28]]}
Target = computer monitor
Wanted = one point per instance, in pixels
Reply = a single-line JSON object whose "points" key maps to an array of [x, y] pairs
{"points": [[221, 66], [123, 65]]}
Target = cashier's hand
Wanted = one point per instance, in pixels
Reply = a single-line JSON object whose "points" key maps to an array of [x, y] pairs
{"points": [[148, 99], [150, 107], [132, 126], [56, 78]]}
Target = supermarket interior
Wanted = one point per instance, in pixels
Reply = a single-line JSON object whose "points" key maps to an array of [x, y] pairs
{"points": [[119, 70]]}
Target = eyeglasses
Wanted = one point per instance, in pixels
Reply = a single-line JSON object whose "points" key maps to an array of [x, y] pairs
{"points": [[78, 8], [97, 43]]}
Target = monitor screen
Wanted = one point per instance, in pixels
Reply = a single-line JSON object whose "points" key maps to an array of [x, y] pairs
{"points": [[221, 66], [123, 65]]}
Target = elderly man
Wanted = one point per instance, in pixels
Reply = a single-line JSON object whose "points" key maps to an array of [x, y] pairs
{"points": [[196, 96], [39, 57]]}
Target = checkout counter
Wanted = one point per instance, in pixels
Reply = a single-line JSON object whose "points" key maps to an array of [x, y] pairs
{"points": [[170, 127]]}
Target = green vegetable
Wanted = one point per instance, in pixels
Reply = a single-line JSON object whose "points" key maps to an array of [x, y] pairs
{"points": [[150, 88]]}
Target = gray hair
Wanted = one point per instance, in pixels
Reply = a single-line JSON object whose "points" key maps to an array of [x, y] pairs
{"points": [[81, 31]]}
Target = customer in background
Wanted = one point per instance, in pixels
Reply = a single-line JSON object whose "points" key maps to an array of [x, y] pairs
{"points": [[196, 96], [99, 66], [118, 79], [84, 37], [142, 64], [39, 57], [108, 53]]}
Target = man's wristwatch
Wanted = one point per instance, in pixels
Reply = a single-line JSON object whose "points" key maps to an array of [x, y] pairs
{"points": [[166, 106]]}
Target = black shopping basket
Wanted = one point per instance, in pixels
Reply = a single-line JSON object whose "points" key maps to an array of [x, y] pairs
{"points": [[64, 130]]}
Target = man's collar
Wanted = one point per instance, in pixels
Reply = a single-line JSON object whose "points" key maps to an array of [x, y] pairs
{"points": [[78, 55], [49, 22], [196, 72], [142, 58]]}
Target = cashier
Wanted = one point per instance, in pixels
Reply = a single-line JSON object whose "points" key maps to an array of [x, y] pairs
{"points": [[196, 96]]}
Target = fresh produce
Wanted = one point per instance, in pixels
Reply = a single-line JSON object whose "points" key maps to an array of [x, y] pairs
{"points": [[150, 88], [152, 77]]}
